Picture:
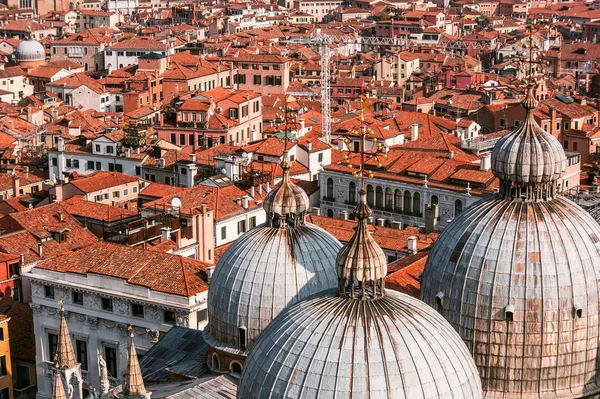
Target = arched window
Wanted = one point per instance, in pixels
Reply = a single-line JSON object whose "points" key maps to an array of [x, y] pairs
{"points": [[379, 197], [329, 213], [242, 337], [330, 188], [216, 363], [434, 200], [458, 207], [352, 193], [370, 196], [417, 204], [398, 200], [407, 208], [389, 199], [235, 368]]}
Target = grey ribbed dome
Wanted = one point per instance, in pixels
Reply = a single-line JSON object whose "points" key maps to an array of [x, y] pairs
{"points": [[330, 346], [528, 154], [30, 50], [263, 272], [538, 260]]}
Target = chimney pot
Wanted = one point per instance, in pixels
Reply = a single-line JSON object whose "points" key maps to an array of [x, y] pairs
{"points": [[316, 211], [485, 163], [412, 244], [414, 132]]}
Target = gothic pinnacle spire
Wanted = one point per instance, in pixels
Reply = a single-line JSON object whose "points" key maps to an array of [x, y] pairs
{"points": [[64, 357], [58, 389], [133, 383]]}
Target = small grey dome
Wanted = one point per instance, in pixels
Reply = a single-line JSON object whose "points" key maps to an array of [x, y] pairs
{"points": [[30, 50], [286, 198], [263, 272], [528, 154], [334, 347], [519, 281]]}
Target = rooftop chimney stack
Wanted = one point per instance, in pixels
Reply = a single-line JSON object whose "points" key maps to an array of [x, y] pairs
{"points": [[16, 186], [344, 215], [252, 191], [485, 162], [414, 132], [412, 244], [316, 211], [209, 272], [61, 144], [165, 234], [193, 158], [260, 189]]}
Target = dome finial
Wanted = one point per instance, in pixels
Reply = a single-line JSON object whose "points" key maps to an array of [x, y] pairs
{"points": [[529, 161], [361, 264], [287, 203]]}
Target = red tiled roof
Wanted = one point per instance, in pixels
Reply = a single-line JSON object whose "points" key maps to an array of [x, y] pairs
{"points": [[404, 273], [171, 274], [77, 206], [101, 180], [20, 330]]}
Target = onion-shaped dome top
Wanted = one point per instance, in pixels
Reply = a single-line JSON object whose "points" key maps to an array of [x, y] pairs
{"points": [[331, 346], [528, 159], [286, 201], [30, 50], [519, 281], [263, 272], [361, 259]]}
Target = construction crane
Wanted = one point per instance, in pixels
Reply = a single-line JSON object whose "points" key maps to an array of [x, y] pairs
{"points": [[323, 42]]}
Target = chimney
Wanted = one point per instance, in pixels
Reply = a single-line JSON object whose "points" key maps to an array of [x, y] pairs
{"points": [[252, 191], [61, 216], [381, 222], [209, 272], [203, 208], [414, 132], [238, 201], [245, 203], [22, 259], [61, 144], [16, 186], [193, 158], [316, 211], [344, 215], [40, 249], [128, 153], [485, 162], [412, 244], [268, 187], [309, 145], [54, 114], [451, 154], [165, 233], [26, 171], [260, 189]]}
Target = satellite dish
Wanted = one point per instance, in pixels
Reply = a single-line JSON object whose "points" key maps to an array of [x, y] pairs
{"points": [[175, 203], [223, 171], [244, 155]]}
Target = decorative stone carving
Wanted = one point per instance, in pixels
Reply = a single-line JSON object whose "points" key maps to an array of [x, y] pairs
{"points": [[154, 314], [92, 322], [91, 301], [183, 319], [154, 335], [123, 329], [37, 289], [121, 307]]}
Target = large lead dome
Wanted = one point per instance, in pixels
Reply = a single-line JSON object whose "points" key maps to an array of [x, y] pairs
{"points": [[266, 270], [517, 276]]}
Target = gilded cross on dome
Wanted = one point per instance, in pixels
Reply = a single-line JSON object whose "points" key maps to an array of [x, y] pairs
{"points": [[375, 153]]}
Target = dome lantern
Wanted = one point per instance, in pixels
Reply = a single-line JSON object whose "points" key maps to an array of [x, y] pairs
{"points": [[528, 161], [286, 204]]}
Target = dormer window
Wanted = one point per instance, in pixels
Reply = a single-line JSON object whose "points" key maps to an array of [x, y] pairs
{"points": [[109, 149], [59, 236]]}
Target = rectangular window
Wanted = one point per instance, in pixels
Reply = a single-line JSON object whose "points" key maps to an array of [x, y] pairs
{"points": [[125, 193], [575, 146], [76, 163], [257, 79], [320, 157], [111, 167], [2, 365], [109, 149], [110, 357], [52, 346], [1, 334], [169, 317], [15, 269], [81, 353], [252, 223], [68, 163], [49, 291], [98, 165], [89, 165], [138, 170], [241, 226], [223, 232], [54, 161], [137, 310], [78, 298], [116, 194], [97, 147], [566, 145], [182, 139], [173, 138], [119, 168], [107, 304], [202, 315]]}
